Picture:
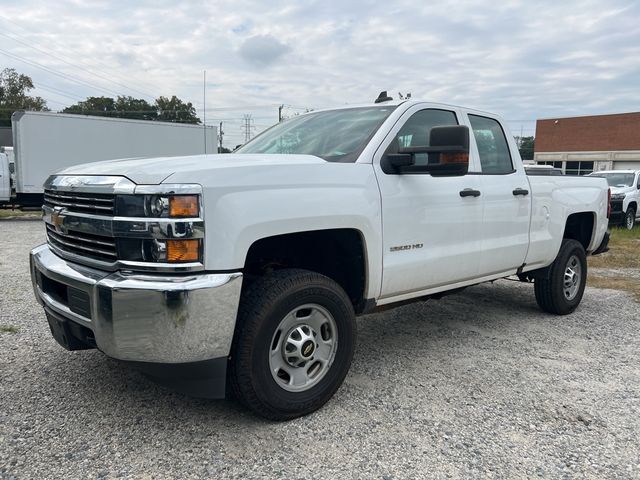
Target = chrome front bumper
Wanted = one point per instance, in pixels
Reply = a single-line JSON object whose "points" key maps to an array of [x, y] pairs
{"points": [[158, 318]]}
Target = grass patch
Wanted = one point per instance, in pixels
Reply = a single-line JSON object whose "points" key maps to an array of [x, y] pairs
{"points": [[624, 252], [9, 213], [626, 284], [8, 329]]}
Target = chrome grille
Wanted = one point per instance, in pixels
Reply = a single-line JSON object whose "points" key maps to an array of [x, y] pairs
{"points": [[87, 245], [97, 203]]}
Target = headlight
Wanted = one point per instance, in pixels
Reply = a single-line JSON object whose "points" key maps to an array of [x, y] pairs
{"points": [[173, 206], [618, 196], [156, 205], [163, 226], [160, 206]]}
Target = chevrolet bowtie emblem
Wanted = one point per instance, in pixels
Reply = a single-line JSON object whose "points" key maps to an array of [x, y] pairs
{"points": [[57, 219]]}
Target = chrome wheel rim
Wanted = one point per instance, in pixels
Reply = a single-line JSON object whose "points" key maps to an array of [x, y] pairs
{"points": [[303, 347], [630, 221], [572, 278]]}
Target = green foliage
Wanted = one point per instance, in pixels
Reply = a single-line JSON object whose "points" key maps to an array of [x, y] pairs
{"points": [[14, 89], [100, 106], [136, 108], [526, 145], [122, 107], [175, 110], [164, 109]]}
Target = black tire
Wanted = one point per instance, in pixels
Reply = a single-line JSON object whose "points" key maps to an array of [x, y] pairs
{"points": [[264, 305], [550, 290], [630, 218]]}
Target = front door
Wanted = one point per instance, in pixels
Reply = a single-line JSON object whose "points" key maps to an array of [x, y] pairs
{"points": [[430, 232]]}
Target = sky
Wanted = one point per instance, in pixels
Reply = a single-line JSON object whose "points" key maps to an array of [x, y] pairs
{"points": [[521, 59]]}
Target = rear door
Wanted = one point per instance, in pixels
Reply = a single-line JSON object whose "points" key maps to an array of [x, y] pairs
{"points": [[506, 196], [430, 232]]}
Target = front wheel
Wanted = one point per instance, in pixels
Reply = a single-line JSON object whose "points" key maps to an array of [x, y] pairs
{"points": [[293, 344], [630, 218], [561, 290]]}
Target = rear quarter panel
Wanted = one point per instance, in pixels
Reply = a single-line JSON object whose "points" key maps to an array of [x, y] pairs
{"points": [[554, 199]]}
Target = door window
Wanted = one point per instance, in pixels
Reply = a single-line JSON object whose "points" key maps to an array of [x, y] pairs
{"points": [[495, 157], [415, 132]]}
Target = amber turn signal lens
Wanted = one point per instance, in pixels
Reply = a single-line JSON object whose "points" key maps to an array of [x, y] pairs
{"points": [[454, 158], [183, 206], [183, 250]]}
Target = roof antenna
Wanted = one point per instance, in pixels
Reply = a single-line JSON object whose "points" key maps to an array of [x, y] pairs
{"points": [[383, 97]]}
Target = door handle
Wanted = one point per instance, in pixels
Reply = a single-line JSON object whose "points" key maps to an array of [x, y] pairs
{"points": [[469, 192], [521, 191]]}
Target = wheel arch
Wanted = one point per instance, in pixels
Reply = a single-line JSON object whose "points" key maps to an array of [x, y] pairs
{"points": [[338, 253], [581, 227]]}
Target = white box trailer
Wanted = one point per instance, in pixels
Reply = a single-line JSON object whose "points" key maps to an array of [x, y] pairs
{"points": [[45, 143]]}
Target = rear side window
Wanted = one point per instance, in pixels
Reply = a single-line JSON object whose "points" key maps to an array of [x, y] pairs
{"points": [[495, 157]]}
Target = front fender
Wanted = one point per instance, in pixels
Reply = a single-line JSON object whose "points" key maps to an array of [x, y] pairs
{"points": [[239, 210]]}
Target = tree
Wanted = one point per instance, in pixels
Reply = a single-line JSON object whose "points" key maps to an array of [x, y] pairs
{"points": [[99, 106], [175, 110], [164, 109], [122, 107], [137, 108], [14, 89], [526, 147]]}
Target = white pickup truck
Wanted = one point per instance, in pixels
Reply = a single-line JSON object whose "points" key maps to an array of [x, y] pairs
{"points": [[625, 195], [245, 271]]}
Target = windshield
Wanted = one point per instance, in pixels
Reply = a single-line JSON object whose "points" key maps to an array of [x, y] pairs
{"points": [[334, 135], [617, 179]]}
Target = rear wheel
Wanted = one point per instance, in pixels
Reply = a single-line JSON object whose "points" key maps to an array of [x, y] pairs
{"points": [[561, 290], [630, 218], [293, 344]]}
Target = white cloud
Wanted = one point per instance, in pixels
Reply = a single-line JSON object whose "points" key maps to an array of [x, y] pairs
{"points": [[521, 59]]}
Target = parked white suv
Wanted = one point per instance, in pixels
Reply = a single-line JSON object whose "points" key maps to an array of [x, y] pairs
{"points": [[625, 195]]}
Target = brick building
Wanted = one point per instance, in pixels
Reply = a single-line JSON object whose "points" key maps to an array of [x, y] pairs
{"points": [[580, 145]]}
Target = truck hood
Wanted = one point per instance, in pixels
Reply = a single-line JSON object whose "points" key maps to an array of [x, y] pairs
{"points": [[152, 171], [616, 190]]}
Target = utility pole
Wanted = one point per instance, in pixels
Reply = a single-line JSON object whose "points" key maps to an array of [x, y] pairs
{"points": [[280, 113], [247, 127], [204, 109], [221, 133]]}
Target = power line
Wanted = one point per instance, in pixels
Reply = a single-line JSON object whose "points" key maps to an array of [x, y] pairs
{"points": [[109, 68], [76, 66], [57, 73], [57, 91]]}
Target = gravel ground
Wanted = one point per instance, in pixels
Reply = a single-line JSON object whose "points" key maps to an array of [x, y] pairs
{"points": [[480, 384]]}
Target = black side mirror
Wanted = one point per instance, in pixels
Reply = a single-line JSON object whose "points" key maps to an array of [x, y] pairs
{"points": [[448, 154]]}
